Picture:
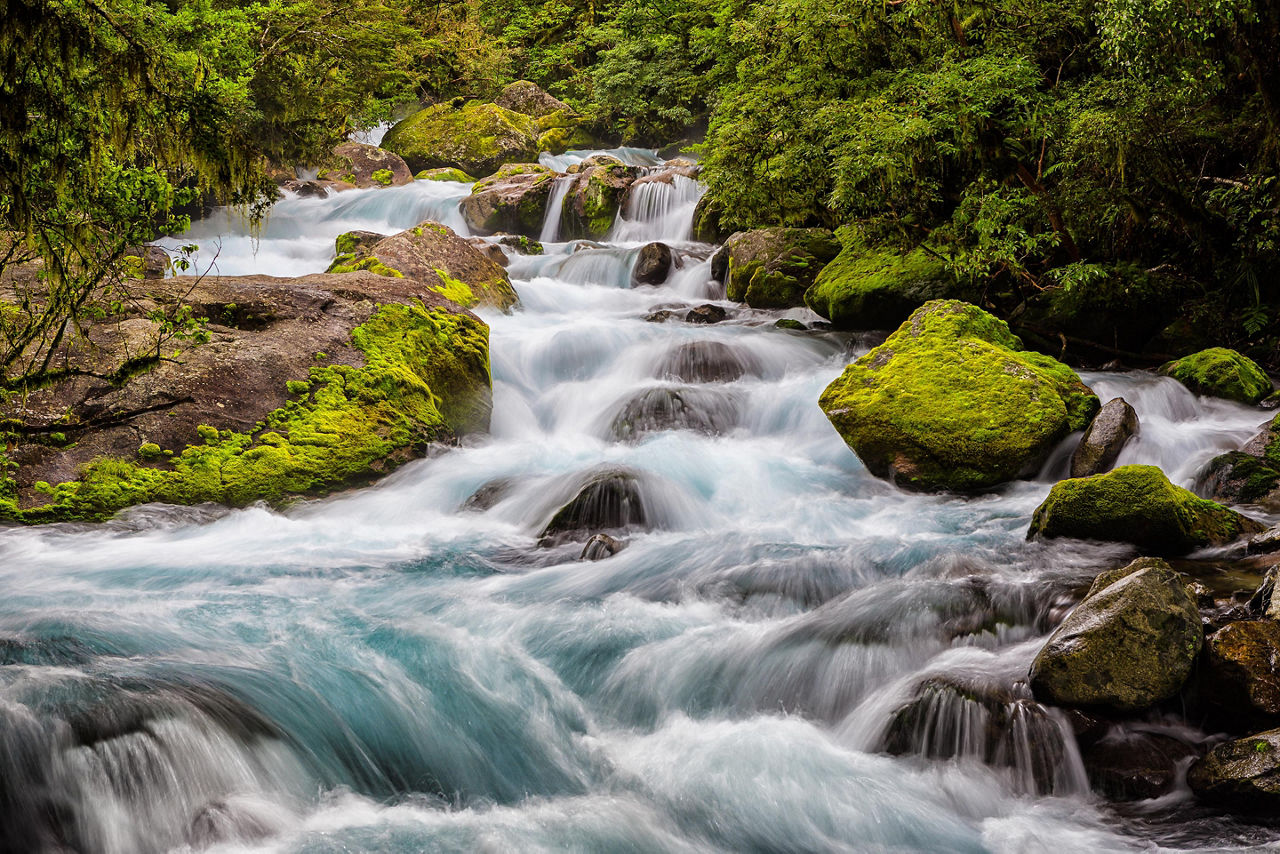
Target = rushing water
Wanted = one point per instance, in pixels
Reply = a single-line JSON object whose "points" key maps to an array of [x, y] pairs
{"points": [[388, 670]]}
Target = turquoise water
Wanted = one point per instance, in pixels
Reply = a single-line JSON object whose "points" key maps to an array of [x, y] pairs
{"points": [[386, 670]]}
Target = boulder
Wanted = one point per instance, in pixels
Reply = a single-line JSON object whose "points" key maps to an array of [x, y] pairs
{"points": [[476, 138], [442, 261], [773, 267], [707, 362], [952, 401], [1219, 372], [1241, 775], [303, 386], [1128, 645], [147, 262], [514, 200], [706, 313], [1240, 676], [306, 189], [1250, 475], [609, 500], [521, 244], [1105, 437], [1134, 765], [529, 99], [595, 196], [706, 222], [701, 410], [653, 264], [865, 288], [445, 173], [600, 547], [1138, 505], [364, 166]]}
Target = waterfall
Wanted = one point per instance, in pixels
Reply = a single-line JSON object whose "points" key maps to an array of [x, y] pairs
{"points": [[658, 210], [555, 205]]}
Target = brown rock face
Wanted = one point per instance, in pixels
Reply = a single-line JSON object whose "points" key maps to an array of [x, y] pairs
{"points": [[423, 252], [1241, 676], [369, 166], [263, 332], [513, 200]]}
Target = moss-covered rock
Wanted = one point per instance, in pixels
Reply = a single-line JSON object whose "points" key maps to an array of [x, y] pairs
{"points": [[952, 401], [773, 267], [305, 386], [528, 98], [1138, 505], [440, 260], [593, 200], [514, 200], [366, 166], [1219, 372], [1250, 475], [865, 288], [707, 227], [1128, 645], [1241, 775], [476, 138], [444, 173], [558, 140]]}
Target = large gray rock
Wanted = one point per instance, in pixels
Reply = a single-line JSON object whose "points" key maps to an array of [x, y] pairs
{"points": [[528, 98], [1242, 775], [1105, 437], [1128, 645]]}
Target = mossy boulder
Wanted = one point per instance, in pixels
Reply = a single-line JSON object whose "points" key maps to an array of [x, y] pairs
{"points": [[444, 173], [773, 267], [1130, 644], [528, 98], [558, 140], [476, 138], [1219, 372], [1241, 775], [305, 386], [951, 401], [434, 256], [1137, 505], [367, 166], [514, 200], [1250, 475], [707, 226], [593, 200], [866, 288]]}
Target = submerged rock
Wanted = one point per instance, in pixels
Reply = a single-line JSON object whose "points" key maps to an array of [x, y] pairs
{"points": [[610, 500], [702, 410], [433, 255], [600, 547], [1219, 372], [1241, 775], [707, 362], [1138, 505], [773, 267], [865, 288], [1240, 676], [1128, 645], [653, 265], [476, 138], [365, 166], [952, 401], [1135, 765], [514, 200], [1114, 425]]}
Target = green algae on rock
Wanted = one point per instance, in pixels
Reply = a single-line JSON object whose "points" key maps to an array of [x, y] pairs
{"points": [[773, 267], [864, 288], [444, 173], [952, 401], [513, 200], [432, 254], [1219, 372], [1131, 643], [593, 200], [1138, 505], [476, 138]]}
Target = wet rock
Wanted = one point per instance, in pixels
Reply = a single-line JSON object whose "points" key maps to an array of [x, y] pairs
{"points": [[706, 313], [1129, 765], [773, 267], [489, 494], [1250, 475], [365, 166], [514, 200], [476, 138], [1128, 645], [234, 820], [444, 173], [707, 227], [610, 500], [529, 98], [441, 261], [707, 362], [1241, 775], [1105, 437], [1138, 505], [592, 202], [951, 401], [653, 265], [356, 242], [866, 288], [522, 244], [790, 323], [492, 251], [662, 315], [306, 189], [1240, 676], [600, 547], [1220, 372], [708, 411]]}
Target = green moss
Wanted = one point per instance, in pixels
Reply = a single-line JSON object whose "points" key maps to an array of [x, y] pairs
{"points": [[1257, 477], [349, 263], [444, 173], [150, 451], [298, 387], [773, 267], [457, 291], [474, 137], [952, 401], [1219, 372], [507, 170], [1138, 505], [383, 177], [558, 140], [865, 288], [426, 377]]}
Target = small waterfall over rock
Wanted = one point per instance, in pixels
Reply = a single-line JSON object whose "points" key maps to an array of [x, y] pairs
{"points": [[555, 206], [659, 206]]}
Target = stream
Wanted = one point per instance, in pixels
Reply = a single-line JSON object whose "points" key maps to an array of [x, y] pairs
{"points": [[400, 669]]}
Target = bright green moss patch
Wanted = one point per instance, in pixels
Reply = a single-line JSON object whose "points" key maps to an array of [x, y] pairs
{"points": [[508, 170], [1138, 505], [350, 263], [952, 401], [1219, 372], [865, 288], [454, 290], [444, 173], [425, 378], [474, 137], [383, 177]]}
